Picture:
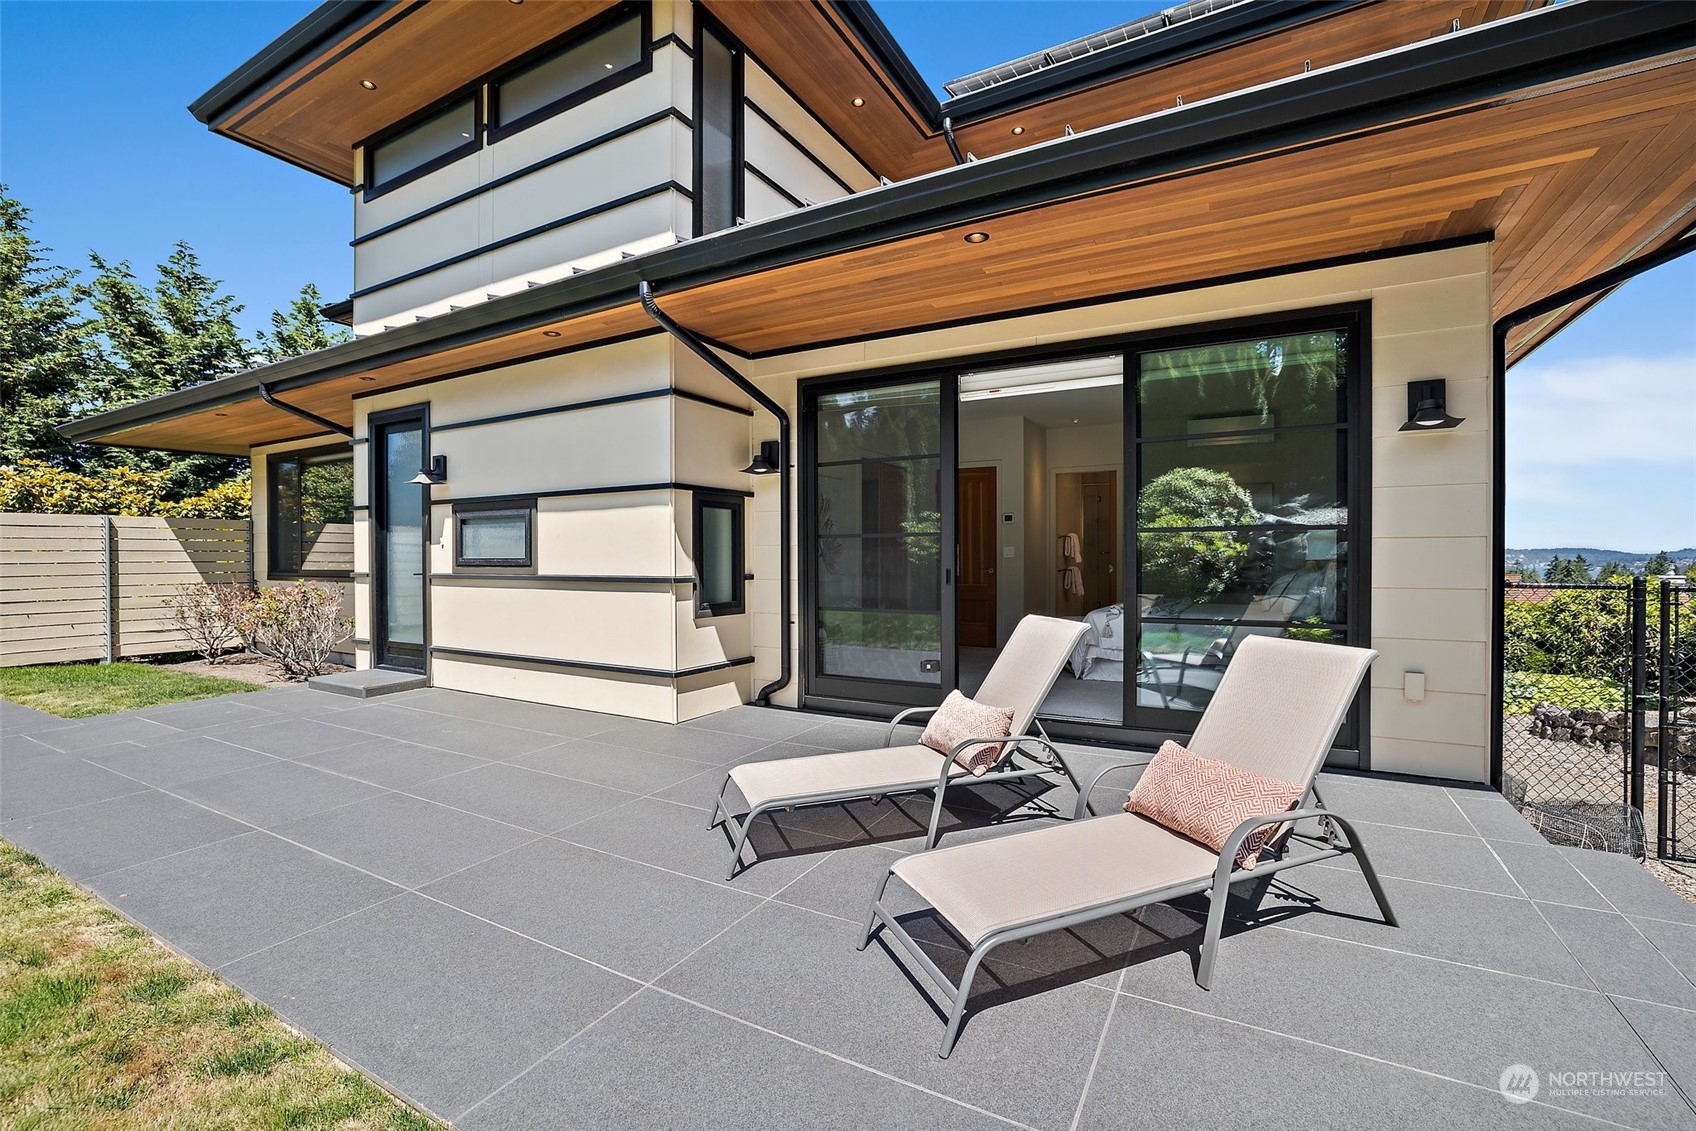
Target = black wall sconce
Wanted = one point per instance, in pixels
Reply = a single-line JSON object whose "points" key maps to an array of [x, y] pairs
{"points": [[1426, 407], [436, 473], [767, 461]]}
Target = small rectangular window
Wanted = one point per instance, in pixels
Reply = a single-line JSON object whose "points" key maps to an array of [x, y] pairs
{"points": [[577, 72], [494, 535], [310, 509], [418, 149], [719, 555]]}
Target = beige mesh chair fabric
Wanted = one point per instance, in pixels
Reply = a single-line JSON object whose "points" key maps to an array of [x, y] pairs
{"points": [[1021, 678], [1277, 712]]}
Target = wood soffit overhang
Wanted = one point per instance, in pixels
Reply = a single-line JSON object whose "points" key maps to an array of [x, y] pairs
{"points": [[1570, 178]]}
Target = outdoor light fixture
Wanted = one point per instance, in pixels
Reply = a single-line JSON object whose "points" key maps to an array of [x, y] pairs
{"points": [[550, 333], [1017, 130], [767, 461], [859, 102], [436, 473], [977, 237], [1426, 411], [367, 84]]}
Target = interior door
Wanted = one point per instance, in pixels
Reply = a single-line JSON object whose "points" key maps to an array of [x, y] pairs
{"points": [[400, 514], [878, 516], [978, 557]]}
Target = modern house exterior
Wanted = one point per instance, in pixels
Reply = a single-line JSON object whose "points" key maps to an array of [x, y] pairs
{"points": [[702, 356]]}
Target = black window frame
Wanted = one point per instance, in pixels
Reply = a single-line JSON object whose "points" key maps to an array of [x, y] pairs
{"points": [[525, 507], [371, 188], [704, 26], [273, 527], [496, 129], [737, 505]]}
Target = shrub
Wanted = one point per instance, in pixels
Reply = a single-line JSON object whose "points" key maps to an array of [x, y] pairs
{"points": [[298, 626], [1199, 565], [211, 616], [33, 487]]}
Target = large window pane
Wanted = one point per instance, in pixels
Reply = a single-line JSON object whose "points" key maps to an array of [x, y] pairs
{"points": [[401, 155], [311, 514], [559, 77], [1287, 478], [1253, 383], [898, 420]]}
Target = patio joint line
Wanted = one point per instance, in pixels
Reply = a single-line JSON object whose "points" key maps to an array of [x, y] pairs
{"points": [[1368, 1056], [1612, 1004], [85, 804], [1100, 1045]]}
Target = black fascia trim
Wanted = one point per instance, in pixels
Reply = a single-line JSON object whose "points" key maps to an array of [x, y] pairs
{"points": [[628, 128], [582, 33], [564, 578], [528, 233], [338, 312], [758, 175], [880, 43], [1214, 32], [1457, 70], [587, 665], [316, 30], [761, 113]]}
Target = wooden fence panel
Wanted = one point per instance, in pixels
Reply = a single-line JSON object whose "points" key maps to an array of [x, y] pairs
{"points": [[56, 582]]}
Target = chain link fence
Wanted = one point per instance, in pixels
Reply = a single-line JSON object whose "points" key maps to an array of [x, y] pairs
{"points": [[1669, 746]]}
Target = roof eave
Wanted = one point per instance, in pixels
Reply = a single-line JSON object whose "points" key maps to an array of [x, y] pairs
{"points": [[320, 27]]}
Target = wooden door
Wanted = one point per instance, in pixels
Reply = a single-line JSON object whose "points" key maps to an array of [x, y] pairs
{"points": [[978, 557]]}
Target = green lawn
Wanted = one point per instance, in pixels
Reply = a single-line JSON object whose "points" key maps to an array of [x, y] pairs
{"points": [[102, 1027], [75, 691]]}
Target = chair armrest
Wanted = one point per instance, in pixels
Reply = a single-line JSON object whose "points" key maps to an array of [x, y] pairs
{"points": [[889, 737], [1228, 854], [1083, 805]]}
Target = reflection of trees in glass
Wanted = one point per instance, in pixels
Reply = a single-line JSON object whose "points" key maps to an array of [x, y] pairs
{"points": [[326, 492], [1296, 376], [1200, 565]]}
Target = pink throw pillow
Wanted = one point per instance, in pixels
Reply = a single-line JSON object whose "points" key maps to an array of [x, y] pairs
{"points": [[1206, 799], [960, 718]]}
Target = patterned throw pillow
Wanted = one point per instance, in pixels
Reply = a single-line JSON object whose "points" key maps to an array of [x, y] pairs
{"points": [[960, 718], [1206, 799]]}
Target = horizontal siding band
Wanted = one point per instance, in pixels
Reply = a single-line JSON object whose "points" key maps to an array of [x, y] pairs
{"points": [[571, 492], [584, 665], [599, 402], [563, 579]]}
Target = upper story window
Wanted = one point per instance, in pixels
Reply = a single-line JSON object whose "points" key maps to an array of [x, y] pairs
{"points": [[718, 132], [564, 76], [442, 137]]}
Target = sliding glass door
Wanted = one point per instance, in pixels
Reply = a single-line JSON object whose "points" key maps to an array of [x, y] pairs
{"points": [[878, 519]]}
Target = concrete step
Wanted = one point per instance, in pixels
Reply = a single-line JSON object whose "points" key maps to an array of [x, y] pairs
{"points": [[367, 683]]}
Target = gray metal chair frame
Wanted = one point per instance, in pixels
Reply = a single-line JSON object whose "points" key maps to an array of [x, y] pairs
{"points": [[1046, 760], [1225, 874]]}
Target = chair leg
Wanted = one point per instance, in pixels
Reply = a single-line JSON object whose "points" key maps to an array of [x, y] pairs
{"points": [[1358, 850], [1219, 896], [958, 1014], [871, 916], [741, 839], [935, 819], [718, 806]]}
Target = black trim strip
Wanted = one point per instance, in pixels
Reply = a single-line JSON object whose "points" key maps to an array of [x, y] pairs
{"points": [[670, 39], [526, 414], [364, 576], [794, 200], [585, 665], [518, 174], [360, 641], [573, 492], [486, 367], [777, 81], [563, 579], [760, 112], [699, 398], [529, 233]]}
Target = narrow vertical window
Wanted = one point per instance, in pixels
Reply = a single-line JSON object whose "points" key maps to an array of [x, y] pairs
{"points": [[718, 555], [718, 134]]}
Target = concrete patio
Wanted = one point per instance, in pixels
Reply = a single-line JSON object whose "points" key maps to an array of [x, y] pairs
{"points": [[515, 916]]}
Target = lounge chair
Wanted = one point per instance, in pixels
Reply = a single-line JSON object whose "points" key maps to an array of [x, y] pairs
{"points": [[1276, 713], [1021, 678]]}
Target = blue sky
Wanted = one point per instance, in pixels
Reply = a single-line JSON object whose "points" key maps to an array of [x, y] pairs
{"points": [[96, 140]]}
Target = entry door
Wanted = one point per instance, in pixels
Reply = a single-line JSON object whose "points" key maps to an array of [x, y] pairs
{"points": [[978, 557], [400, 515], [878, 515]]}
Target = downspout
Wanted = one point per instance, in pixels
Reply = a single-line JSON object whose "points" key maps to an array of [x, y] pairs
{"points": [[948, 136], [700, 349], [327, 425], [1502, 327]]}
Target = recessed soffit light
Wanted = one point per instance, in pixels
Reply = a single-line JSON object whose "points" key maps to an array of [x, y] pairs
{"points": [[367, 378], [859, 102], [550, 333], [1017, 130], [367, 84], [977, 237]]}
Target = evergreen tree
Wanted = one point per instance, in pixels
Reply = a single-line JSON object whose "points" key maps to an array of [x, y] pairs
{"points": [[1573, 571], [300, 329], [1612, 571], [1659, 565], [45, 343], [181, 332]]}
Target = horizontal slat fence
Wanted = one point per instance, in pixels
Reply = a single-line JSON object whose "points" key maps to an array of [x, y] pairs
{"points": [[62, 576]]}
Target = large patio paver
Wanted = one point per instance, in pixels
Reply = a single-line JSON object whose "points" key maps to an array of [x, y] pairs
{"points": [[607, 975]]}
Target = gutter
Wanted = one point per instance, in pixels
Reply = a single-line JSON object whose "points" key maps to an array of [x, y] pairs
{"points": [[322, 422], [700, 349], [1600, 284], [1482, 63]]}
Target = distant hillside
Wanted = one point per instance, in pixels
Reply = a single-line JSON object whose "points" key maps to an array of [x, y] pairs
{"points": [[1539, 559]]}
